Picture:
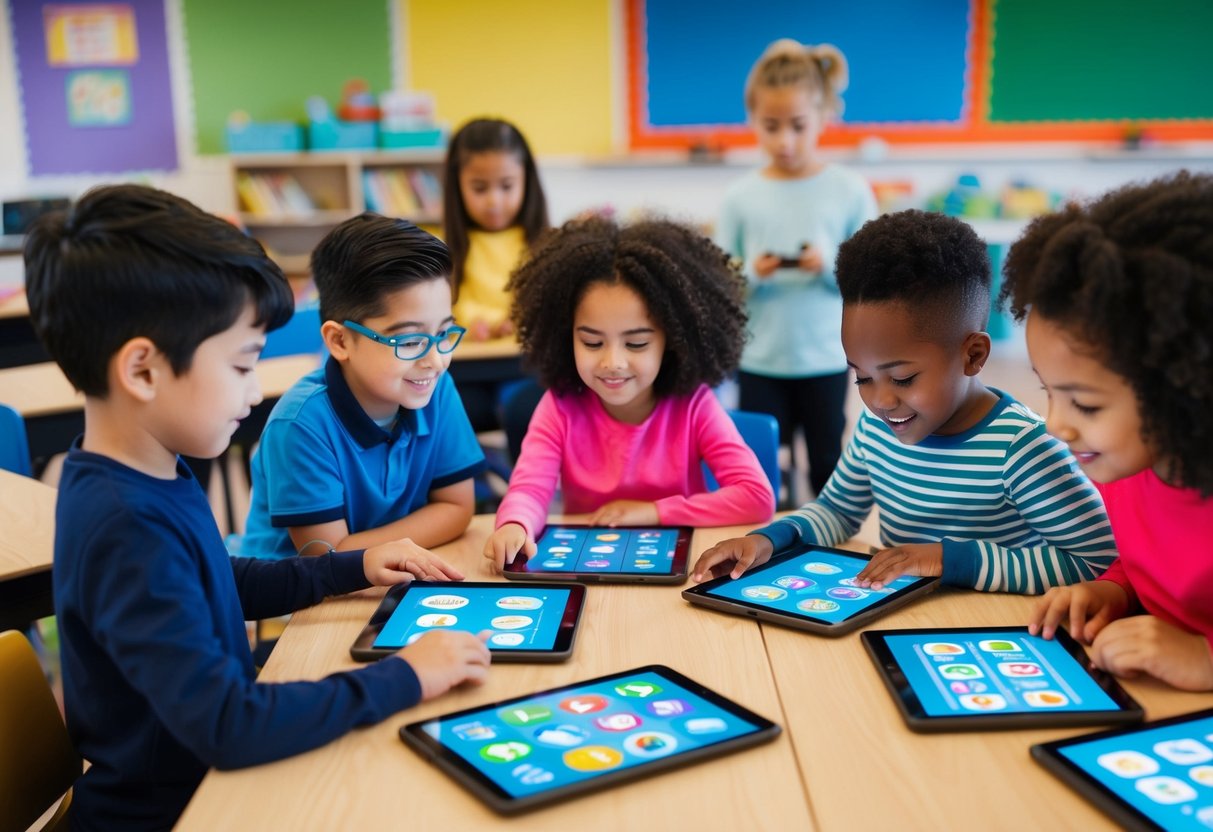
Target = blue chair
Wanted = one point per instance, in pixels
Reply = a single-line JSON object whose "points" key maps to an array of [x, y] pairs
{"points": [[14, 446], [761, 432], [299, 336]]}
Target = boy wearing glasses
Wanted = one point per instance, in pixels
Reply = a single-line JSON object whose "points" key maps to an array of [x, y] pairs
{"points": [[375, 445]]}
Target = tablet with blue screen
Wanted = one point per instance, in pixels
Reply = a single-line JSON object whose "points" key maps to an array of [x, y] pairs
{"points": [[995, 677], [811, 588], [656, 554], [1156, 776], [526, 623], [548, 746]]}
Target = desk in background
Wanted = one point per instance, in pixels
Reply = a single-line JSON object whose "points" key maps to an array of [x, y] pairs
{"points": [[27, 518]]}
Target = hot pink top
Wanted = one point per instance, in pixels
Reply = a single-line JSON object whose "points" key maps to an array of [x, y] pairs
{"points": [[596, 459], [1165, 539]]}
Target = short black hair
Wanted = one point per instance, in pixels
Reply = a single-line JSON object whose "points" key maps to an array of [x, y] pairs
{"points": [[929, 262], [127, 261], [1131, 276], [688, 284], [370, 256]]}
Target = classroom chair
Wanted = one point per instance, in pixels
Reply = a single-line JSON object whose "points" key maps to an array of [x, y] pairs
{"points": [[761, 432], [37, 761], [14, 447]]}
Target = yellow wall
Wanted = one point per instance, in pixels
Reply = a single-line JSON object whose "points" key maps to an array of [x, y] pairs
{"points": [[543, 64]]}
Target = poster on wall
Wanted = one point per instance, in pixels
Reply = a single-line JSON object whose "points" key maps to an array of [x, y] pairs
{"points": [[94, 86]]}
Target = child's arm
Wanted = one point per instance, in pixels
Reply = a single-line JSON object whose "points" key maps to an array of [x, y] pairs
{"points": [[532, 483], [1148, 644], [1045, 487]]}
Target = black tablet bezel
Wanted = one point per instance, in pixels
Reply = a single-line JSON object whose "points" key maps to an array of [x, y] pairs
{"points": [[516, 571], [918, 720], [1048, 755], [363, 650], [500, 801], [700, 596]]}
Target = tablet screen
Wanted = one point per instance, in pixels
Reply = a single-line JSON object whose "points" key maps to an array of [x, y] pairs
{"points": [[630, 551], [971, 672], [564, 737], [1163, 770], [817, 584]]}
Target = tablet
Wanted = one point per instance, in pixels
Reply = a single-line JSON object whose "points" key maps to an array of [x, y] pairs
{"points": [[534, 750], [1154, 776], [811, 588], [657, 554], [975, 678], [529, 623]]}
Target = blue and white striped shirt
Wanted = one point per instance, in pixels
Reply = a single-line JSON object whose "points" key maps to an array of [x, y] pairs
{"points": [[1007, 500]]}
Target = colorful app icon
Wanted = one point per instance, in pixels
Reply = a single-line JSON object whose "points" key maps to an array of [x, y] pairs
{"points": [[819, 568], [444, 602], [1202, 775], [553, 563], [999, 645], [412, 638], [1165, 789], [622, 721], [1046, 699], [650, 744], [607, 537], [505, 752], [437, 619], [592, 758], [521, 715], [961, 671], [511, 622], [793, 582], [669, 707], [637, 689], [643, 562], [942, 648], [846, 593], [983, 702], [1020, 669], [1205, 814], [817, 605], [646, 550], [705, 725], [519, 602], [564, 535], [559, 550], [764, 593], [475, 731], [586, 703], [960, 687], [645, 565], [506, 639], [530, 775], [597, 563], [602, 550], [978, 687], [1184, 752], [1128, 764], [562, 736]]}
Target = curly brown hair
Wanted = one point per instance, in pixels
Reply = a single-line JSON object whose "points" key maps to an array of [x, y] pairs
{"points": [[688, 284], [1131, 275]]}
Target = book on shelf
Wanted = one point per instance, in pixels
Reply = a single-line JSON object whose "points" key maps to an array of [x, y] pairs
{"points": [[273, 195], [394, 192], [428, 190]]}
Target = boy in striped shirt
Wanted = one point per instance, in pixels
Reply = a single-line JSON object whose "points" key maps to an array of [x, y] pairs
{"points": [[969, 484]]}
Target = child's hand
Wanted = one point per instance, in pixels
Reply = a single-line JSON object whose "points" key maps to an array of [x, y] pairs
{"points": [[480, 330], [1090, 606], [732, 557], [401, 561], [765, 265], [625, 513], [445, 658], [921, 559], [1145, 644], [810, 259], [504, 544], [504, 329]]}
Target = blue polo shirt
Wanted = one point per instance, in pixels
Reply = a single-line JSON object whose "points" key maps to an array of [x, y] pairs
{"points": [[322, 458]]}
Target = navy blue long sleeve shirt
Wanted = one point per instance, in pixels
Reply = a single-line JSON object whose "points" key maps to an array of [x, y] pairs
{"points": [[158, 679]]}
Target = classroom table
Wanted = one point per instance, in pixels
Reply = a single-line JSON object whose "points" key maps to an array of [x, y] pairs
{"points": [[18, 343], [496, 360], [845, 760], [27, 518]]}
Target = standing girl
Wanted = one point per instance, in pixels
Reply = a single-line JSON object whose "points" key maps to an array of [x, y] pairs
{"points": [[785, 222], [627, 328], [1118, 297]]}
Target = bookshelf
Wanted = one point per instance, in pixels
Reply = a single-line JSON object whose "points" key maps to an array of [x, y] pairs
{"points": [[289, 201]]}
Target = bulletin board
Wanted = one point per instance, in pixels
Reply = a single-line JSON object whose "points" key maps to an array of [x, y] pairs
{"points": [[94, 85], [928, 71]]}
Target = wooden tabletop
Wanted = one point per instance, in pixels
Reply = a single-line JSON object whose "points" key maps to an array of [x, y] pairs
{"points": [[845, 760], [27, 517]]}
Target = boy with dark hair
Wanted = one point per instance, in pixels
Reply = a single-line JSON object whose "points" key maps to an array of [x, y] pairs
{"points": [[374, 446], [157, 312], [969, 484]]}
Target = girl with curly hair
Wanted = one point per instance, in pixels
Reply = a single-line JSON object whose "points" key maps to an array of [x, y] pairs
{"points": [[1118, 296], [628, 327]]}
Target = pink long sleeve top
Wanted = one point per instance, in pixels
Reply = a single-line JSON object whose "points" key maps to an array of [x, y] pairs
{"points": [[573, 441], [1166, 552]]}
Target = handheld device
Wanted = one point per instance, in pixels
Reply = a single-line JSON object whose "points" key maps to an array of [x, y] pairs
{"points": [[656, 554]]}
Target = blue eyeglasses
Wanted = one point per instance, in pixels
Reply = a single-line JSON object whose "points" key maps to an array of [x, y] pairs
{"points": [[413, 345]]}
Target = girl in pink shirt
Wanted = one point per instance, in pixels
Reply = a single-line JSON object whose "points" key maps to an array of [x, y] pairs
{"points": [[1118, 296], [628, 327]]}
